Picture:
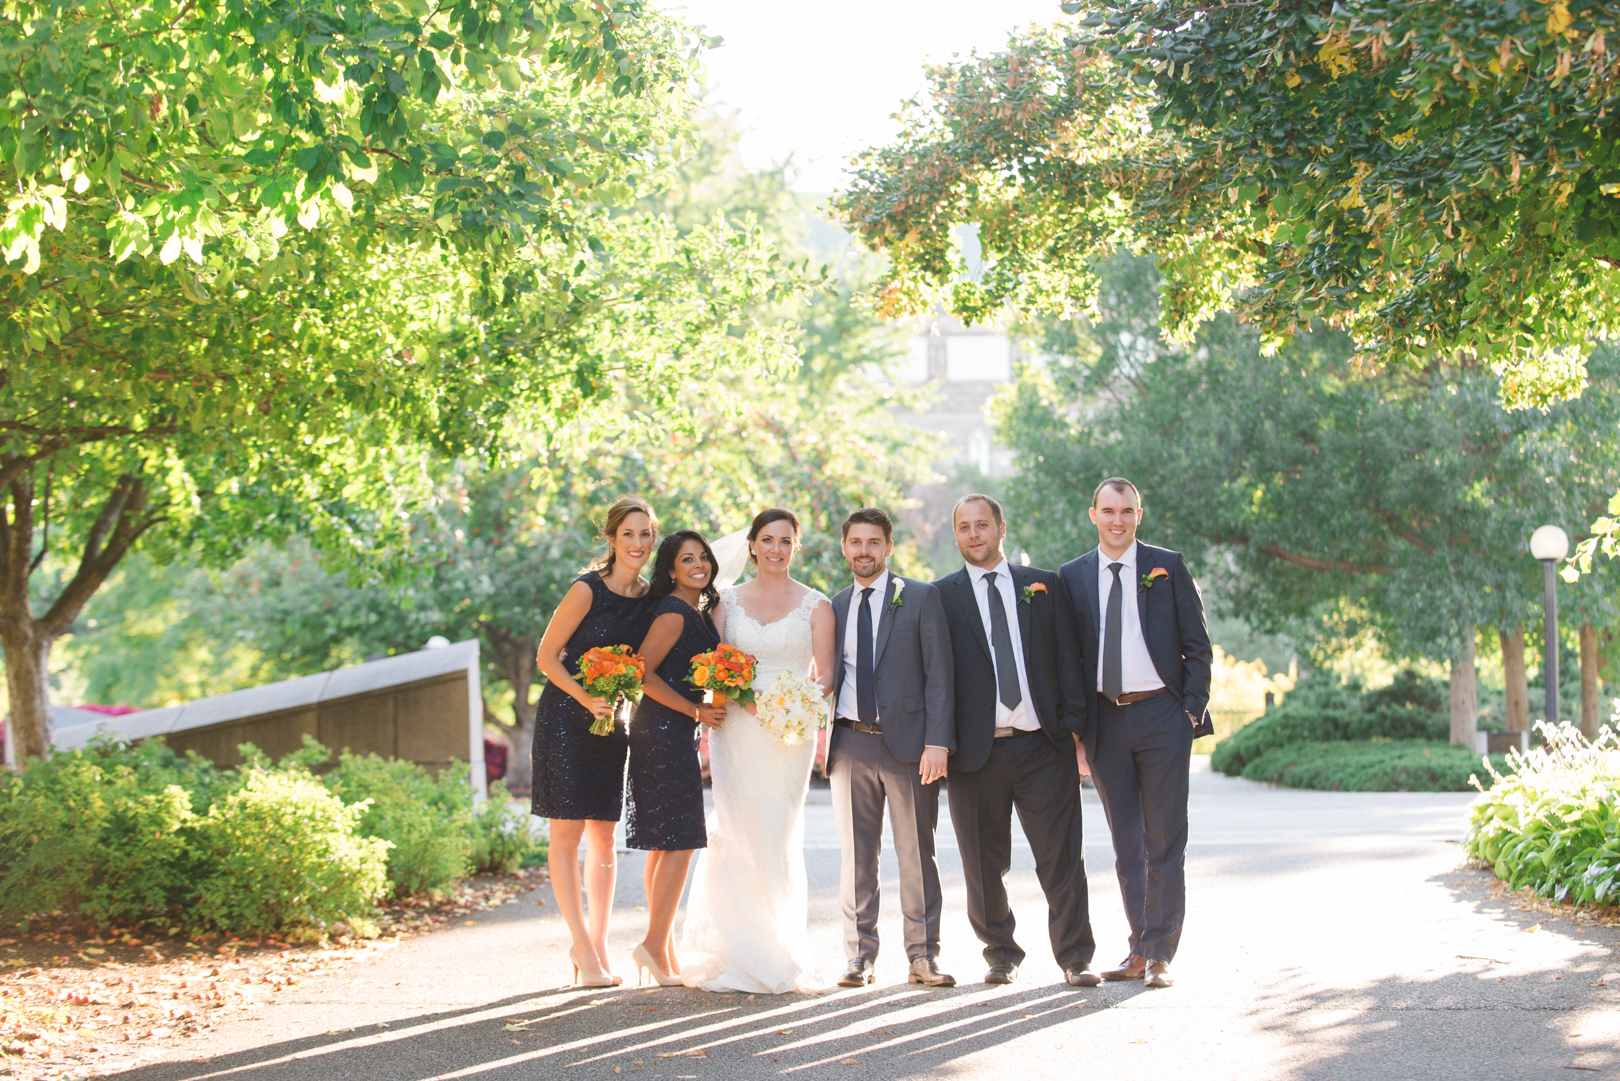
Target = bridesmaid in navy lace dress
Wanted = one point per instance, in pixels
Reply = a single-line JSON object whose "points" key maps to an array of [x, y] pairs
{"points": [[664, 802], [579, 777]]}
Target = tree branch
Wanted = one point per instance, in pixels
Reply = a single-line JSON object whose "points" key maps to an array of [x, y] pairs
{"points": [[1312, 563], [119, 525]]}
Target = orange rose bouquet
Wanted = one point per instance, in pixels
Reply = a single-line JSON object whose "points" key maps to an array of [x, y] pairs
{"points": [[611, 672], [726, 672]]}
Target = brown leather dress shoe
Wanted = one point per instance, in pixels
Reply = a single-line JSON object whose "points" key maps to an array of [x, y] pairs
{"points": [[1133, 968], [1158, 974], [925, 970]]}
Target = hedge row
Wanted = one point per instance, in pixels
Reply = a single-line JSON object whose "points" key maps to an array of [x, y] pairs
{"points": [[1369, 766], [1550, 820], [1323, 708], [127, 833]]}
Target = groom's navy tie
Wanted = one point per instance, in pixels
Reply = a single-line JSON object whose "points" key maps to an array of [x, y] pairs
{"points": [[865, 685], [1001, 638], [1113, 681]]}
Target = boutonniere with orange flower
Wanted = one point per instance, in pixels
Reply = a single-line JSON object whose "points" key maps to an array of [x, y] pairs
{"points": [[1153, 576], [1032, 589]]}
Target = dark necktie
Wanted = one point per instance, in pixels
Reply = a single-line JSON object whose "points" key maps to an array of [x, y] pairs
{"points": [[1113, 680], [1001, 639], [865, 684]]}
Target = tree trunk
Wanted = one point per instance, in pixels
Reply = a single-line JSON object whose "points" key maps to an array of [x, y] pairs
{"points": [[1518, 689], [1591, 704], [27, 639], [515, 655], [28, 682], [1464, 695]]}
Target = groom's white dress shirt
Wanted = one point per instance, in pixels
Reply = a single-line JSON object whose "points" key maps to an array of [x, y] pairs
{"points": [[1136, 663], [1022, 716], [874, 602]]}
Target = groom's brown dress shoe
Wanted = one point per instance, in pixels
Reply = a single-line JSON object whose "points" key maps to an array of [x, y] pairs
{"points": [[858, 974], [1081, 976], [1158, 974], [925, 970], [1134, 968], [1001, 972]]}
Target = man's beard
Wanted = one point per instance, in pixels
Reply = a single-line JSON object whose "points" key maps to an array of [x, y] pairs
{"points": [[879, 566]]}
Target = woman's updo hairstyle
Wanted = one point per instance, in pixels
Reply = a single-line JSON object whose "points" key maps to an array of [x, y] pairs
{"points": [[616, 514], [765, 518]]}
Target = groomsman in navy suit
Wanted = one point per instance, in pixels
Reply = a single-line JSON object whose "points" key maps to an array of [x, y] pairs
{"points": [[1144, 640]]}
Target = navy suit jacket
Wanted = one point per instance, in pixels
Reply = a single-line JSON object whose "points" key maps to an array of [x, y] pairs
{"points": [[1172, 617]]}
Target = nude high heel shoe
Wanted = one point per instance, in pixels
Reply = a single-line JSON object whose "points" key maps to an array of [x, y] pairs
{"points": [[645, 964], [587, 978]]}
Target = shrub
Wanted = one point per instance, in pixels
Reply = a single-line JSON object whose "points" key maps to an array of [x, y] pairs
{"points": [[104, 830], [281, 851], [1368, 766], [1551, 819], [1322, 708], [502, 833], [428, 822], [1411, 707]]}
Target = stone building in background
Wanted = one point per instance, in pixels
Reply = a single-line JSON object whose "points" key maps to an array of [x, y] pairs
{"points": [[965, 366]]}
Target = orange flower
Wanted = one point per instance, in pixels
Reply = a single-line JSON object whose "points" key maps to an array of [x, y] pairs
{"points": [[1038, 587], [1158, 572], [700, 675]]}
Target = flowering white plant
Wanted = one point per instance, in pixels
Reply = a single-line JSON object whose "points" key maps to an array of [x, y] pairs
{"points": [[792, 708]]}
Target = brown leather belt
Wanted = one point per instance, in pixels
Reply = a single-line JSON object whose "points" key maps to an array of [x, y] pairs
{"points": [[869, 729], [1132, 697]]}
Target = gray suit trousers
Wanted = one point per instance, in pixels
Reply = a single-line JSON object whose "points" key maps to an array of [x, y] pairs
{"points": [[864, 777], [1139, 763]]}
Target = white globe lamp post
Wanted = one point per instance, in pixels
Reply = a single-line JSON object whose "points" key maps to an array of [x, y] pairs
{"points": [[1550, 545]]}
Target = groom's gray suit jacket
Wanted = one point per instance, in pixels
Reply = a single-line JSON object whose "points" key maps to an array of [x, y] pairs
{"points": [[914, 668]]}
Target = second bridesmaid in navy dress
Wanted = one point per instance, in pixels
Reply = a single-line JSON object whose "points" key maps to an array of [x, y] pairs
{"points": [[578, 776], [664, 804]]}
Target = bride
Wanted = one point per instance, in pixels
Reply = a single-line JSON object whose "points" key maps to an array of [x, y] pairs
{"points": [[747, 915]]}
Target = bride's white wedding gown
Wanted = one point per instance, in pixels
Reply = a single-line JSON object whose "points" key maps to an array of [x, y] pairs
{"points": [[748, 912]]}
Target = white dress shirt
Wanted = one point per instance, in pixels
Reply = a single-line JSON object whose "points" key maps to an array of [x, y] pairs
{"points": [[1021, 716], [1136, 663], [846, 694]]}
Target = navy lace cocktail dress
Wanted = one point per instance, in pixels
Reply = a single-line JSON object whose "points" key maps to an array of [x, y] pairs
{"points": [[578, 775], [664, 785]]}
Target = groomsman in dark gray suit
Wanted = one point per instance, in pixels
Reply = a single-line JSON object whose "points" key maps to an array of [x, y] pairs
{"points": [[1021, 705], [1143, 639], [892, 731]]}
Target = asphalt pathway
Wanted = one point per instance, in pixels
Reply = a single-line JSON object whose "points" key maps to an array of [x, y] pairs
{"points": [[1330, 937]]}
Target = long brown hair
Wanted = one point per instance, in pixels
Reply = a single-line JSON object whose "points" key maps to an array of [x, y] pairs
{"points": [[616, 514]]}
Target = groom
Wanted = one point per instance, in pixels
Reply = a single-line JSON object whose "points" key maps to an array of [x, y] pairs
{"points": [[892, 730]]}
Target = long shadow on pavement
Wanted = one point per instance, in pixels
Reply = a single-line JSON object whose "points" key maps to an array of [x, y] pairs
{"points": [[892, 1031]]}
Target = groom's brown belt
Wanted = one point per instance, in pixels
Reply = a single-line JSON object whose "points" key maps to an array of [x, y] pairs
{"points": [[873, 729], [1132, 697]]}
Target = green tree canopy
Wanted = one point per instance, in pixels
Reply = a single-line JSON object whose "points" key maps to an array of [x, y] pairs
{"points": [[268, 262], [1439, 179], [1326, 501]]}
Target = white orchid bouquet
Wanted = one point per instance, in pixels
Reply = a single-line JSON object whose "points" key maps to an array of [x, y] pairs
{"points": [[792, 708]]}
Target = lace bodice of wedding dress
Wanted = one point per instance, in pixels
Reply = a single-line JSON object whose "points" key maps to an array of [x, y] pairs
{"points": [[747, 916]]}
